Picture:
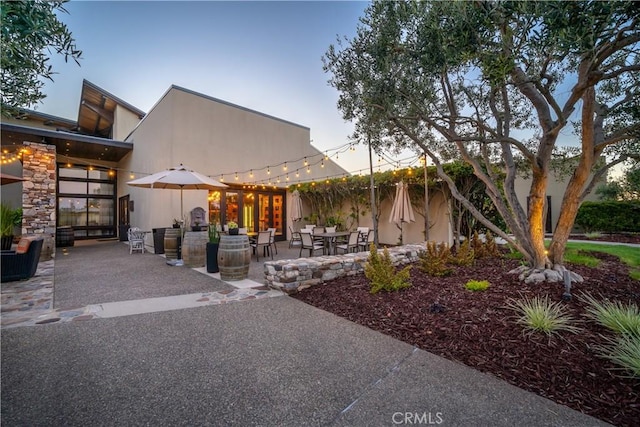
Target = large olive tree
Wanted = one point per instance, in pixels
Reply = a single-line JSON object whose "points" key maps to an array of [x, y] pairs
{"points": [[501, 85], [31, 31]]}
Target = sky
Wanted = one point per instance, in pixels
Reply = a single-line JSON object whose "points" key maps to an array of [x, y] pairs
{"points": [[266, 56]]}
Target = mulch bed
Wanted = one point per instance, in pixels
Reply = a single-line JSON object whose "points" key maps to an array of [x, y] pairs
{"points": [[476, 328]]}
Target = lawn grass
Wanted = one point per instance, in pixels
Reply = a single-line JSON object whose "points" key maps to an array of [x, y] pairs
{"points": [[629, 255]]}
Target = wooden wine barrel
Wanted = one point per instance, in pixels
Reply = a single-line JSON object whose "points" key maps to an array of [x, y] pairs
{"points": [[194, 248], [172, 241], [64, 237], [234, 257]]}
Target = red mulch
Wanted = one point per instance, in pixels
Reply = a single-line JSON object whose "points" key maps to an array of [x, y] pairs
{"points": [[439, 315]]}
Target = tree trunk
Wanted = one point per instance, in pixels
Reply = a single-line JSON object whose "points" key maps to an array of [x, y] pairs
{"points": [[573, 194], [537, 196]]}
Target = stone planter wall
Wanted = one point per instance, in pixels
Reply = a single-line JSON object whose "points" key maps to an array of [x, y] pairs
{"points": [[293, 275]]}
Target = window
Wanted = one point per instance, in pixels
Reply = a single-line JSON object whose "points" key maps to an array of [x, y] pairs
{"points": [[86, 201]]}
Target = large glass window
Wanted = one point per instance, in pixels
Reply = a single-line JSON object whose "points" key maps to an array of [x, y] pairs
{"points": [[214, 207], [248, 210], [253, 210], [231, 212], [87, 200]]}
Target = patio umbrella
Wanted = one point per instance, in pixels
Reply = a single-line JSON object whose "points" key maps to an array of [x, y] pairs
{"points": [[9, 179], [178, 178], [296, 206], [401, 211]]}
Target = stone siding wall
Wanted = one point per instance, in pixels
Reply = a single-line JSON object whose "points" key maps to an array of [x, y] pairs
{"points": [[293, 275], [39, 192]]}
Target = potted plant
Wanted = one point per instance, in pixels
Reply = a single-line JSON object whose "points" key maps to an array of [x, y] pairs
{"points": [[233, 228], [176, 223], [9, 219], [196, 226], [212, 249]]}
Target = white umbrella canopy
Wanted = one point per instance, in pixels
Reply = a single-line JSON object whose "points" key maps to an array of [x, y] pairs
{"points": [[296, 206], [401, 211], [178, 178]]}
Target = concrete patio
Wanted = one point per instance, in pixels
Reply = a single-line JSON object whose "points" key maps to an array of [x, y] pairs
{"points": [[265, 360]]}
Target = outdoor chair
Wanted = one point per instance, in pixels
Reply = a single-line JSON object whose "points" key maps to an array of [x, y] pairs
{"points": [[352, 243], [317, 230], [136, 240], [263, 241], [296, 240], [273, 238], [365, 243], [309, 243], [22, 263]]}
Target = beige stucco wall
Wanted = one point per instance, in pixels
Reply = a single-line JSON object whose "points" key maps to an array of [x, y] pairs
{"points": [[389, 233], [124, 121], [213, 138], [556, 188]]}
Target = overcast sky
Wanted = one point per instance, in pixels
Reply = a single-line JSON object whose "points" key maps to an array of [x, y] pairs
{"points": [[266, 56]]}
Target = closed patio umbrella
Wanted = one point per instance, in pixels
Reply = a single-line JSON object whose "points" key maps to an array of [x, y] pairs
{"points": [[178, 178], [401, 211], [296, 206]]}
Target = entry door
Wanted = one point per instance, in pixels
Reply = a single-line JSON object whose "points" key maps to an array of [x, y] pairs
{"points": [[123, 217], [271, 212], [123, 210]]}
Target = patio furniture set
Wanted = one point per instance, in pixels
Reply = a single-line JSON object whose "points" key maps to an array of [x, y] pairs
{"points": [[314, 238]]}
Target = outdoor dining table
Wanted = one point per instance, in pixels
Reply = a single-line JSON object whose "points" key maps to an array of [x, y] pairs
{"points": [[330, 239]]}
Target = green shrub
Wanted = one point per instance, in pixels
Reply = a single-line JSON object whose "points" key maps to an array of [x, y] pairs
{"points": [[434, 260], [382, 274], [478, 246], [477, 285], [618, 317], [490, 245], [609, 217], [465, 255], [625, 352], [541, 315]]}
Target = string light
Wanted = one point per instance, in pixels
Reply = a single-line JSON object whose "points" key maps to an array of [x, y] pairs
{"points": [[236, 177], [306, 163], [268, 171], [284, 168]]}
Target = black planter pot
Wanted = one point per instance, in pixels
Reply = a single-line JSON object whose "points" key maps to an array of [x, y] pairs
{"points": [[212, 257], [196, 228], [6, 243], [234, 231]]}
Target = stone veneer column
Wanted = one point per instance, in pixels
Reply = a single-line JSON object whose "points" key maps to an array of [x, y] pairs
{"points": [[39, 189]]}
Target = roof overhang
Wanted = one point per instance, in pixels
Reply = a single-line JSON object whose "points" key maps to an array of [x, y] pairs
{"points": [[67, 144]]}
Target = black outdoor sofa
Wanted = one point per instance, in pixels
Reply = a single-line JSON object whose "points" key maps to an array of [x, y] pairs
{"points": [[18, 266]]}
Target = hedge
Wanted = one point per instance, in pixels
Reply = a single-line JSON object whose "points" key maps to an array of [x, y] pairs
{"points": [[609, 217]]}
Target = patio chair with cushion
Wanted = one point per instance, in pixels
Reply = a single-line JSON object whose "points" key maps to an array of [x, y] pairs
{"points": [[296, 240], [273, 238], [136, 240], [309, 243], [263, 241], [22, 263], [352, 243], [365, 243]]}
